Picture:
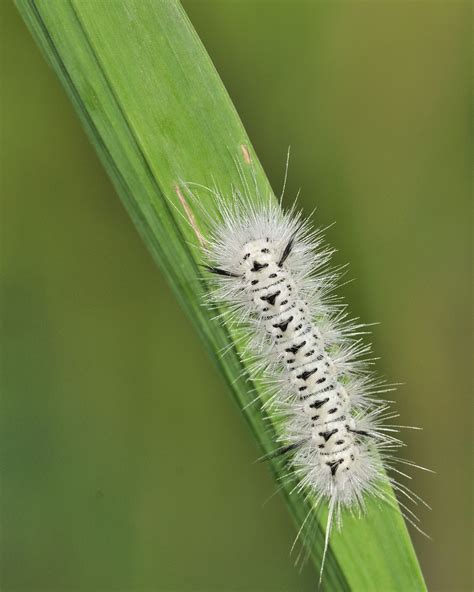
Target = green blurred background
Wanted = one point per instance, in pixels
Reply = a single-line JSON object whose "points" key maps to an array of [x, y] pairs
{"points": [[107, 485]]}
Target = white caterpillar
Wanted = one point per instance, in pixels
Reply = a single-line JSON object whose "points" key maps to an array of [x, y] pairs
{"points": [[270, 271]]}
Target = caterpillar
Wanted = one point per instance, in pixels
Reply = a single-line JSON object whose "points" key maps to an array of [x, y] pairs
{"points": [[271, 271]]}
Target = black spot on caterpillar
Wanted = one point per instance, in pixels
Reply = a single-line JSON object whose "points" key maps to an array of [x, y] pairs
{"points": [[334, 466], [270, 298]]}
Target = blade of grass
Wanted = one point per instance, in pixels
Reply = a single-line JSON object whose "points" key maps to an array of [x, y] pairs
{"points": [[157, 112]]}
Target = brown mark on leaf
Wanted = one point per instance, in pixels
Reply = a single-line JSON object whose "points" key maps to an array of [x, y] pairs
{"points": [[190, 217], [246, 154]]}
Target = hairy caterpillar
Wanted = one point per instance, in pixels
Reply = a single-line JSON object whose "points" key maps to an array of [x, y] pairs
{"points": [[271, 271]]}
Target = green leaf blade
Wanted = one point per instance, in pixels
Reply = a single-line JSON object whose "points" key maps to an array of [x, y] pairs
{"points": [[157, 113]]}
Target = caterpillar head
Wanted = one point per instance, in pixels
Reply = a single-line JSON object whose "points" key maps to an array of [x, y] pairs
{"points": [[257, 255]]}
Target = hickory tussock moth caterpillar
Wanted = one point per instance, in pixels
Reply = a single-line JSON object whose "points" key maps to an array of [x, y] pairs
{"points": [[270, 270]]}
